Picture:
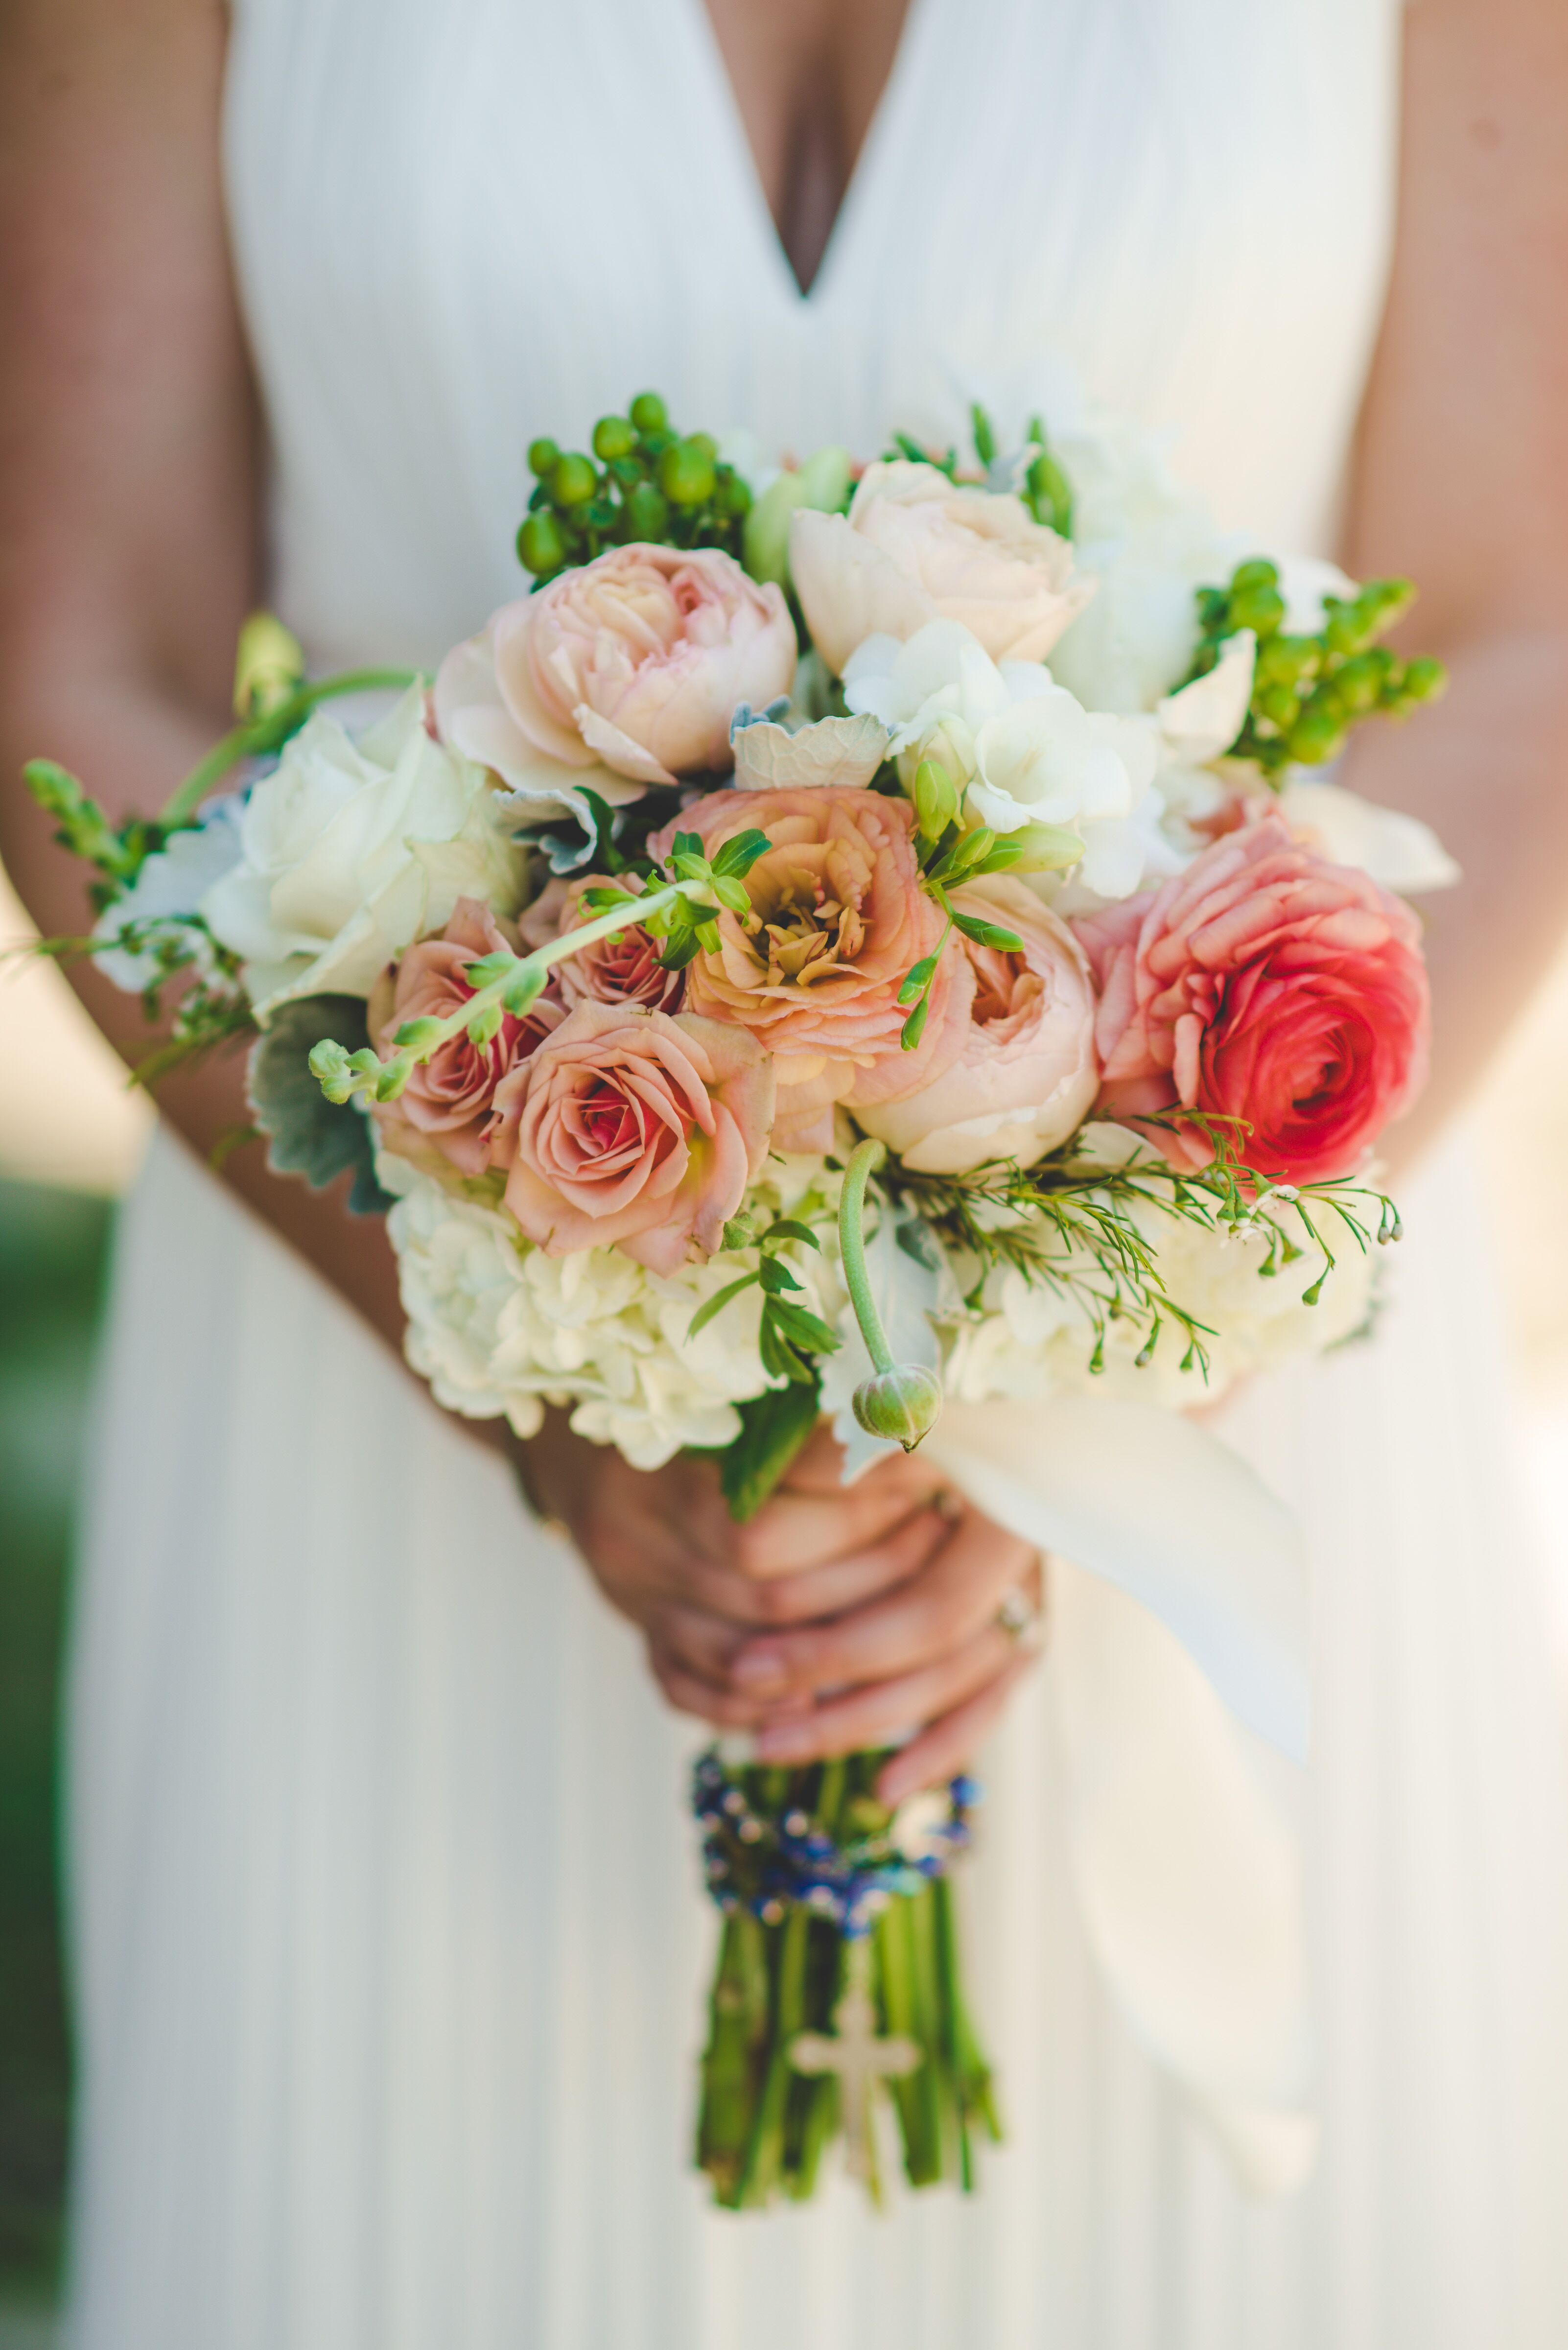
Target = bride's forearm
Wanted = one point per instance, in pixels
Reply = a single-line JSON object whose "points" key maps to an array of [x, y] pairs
{"points": [[1486, 769]]}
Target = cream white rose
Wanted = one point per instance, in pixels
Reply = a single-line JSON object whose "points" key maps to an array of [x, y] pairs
{"points": [[915, 547], [351, 850]]}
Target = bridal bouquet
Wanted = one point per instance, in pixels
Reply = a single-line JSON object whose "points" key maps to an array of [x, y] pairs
{"points": [[849, 935]]}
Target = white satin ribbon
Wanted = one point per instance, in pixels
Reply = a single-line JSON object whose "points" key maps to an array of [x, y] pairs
{"points": [[1178, 1656]]}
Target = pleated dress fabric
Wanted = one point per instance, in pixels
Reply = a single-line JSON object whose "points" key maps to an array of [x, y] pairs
{"points": [[389, 1938]]}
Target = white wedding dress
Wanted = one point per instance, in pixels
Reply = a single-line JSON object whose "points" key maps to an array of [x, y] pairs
{"points": [[389, 1944]]}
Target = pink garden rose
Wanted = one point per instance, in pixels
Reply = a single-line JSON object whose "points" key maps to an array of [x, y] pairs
{"points": [[622, 969], [635, 1129], [813, 972], [447, 1102], [1266, 984], [1027, 1074], [915, 547], [635, 662]]}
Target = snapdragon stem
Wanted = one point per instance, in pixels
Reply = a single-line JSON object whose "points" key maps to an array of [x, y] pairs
{"points": [[270, 731], [864, 1160]]}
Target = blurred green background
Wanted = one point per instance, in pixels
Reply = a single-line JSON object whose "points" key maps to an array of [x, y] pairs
{"points": [[52, 1244]]}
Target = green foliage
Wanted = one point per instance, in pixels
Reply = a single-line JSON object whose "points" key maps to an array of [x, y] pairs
{"points": [[1309, 690], [308, 1133], [644, 482], [773, 1427], [790, 1336], [118, 852], [1072, 1226]]}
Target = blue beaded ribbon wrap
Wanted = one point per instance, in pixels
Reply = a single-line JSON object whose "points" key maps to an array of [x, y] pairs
{"points": [[761, 1866]]}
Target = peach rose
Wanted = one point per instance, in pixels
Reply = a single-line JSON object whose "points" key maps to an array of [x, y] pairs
{"points": [[1266, 984], [635, 1130], [915, 547], [636, 661], [1027, 1074], [837, 919], [447, 1100], [622, 969]]}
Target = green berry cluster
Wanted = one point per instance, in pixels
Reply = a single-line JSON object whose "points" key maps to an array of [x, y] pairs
{"points": [[644, 482], [1309, 690]]}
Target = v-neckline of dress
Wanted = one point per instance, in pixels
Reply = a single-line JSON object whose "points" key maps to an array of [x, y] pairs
{"points": [[762, 227]]}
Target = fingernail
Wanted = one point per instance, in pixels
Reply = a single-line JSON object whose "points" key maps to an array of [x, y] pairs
{"points": [[756, 1670]]}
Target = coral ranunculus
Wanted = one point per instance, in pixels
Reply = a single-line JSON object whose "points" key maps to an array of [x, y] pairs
{"points": [[1027, 1074], [447, 1103], [635, 1130], [636, 661], [837, 919], [1262, 983]]}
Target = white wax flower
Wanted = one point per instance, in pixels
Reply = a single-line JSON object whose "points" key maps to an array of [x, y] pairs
{"points": [[352, 850]]}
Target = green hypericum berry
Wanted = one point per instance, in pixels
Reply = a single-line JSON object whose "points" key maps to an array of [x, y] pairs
{"points": [[686, 475], [1257, 605], [542, 455], [648, 413], [1358, 685], [1316, 737], [1423, 679], [1279, 705], [705, 441], [647, 513], [1257, 573], [1213, 610], [733, 497], [573, 481], [614, 437], [1286, 661], [1347, 628], [540, 546]]}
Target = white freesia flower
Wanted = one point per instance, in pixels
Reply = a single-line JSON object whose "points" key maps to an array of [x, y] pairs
{"points": [[1030, 752], [352, 850], [500, 1329], [170, 888], [1399, 851]]}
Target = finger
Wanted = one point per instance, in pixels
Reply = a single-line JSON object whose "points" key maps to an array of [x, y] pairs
{"points": [[818, 1468], [918, 1621], [667, 1580], [689, 1692], [796, 1531], [950, 1742], [884, 1710]]}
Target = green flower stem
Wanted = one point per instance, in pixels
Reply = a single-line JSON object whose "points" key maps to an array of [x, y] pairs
{"points": [[269, 733], [864, 1160]]}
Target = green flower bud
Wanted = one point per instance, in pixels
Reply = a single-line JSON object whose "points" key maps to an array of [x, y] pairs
{"points": [[647, 513], [1257, 605], [614, 436], [573, 481], [822, 483], [418, 1036], [269, 665], [542, 455], [1050, 493], [686, 475], [393, 1077], [903, 1404], [541, 549], [647, 412], [936, 799]]}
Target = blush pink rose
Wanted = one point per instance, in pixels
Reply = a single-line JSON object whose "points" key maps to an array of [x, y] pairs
{"points": [[635, 662], [622, 969], [447, 1103], [914, 547], [1266, 984], [635, 1130], [1027, 1074], [837, 919]]}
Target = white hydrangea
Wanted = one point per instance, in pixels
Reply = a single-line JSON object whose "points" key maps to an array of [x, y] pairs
{"points": [[499, 1329]]}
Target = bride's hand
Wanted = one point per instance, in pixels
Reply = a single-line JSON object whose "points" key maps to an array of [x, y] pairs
{"points": [[940, 1653], [663, 1549]]}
